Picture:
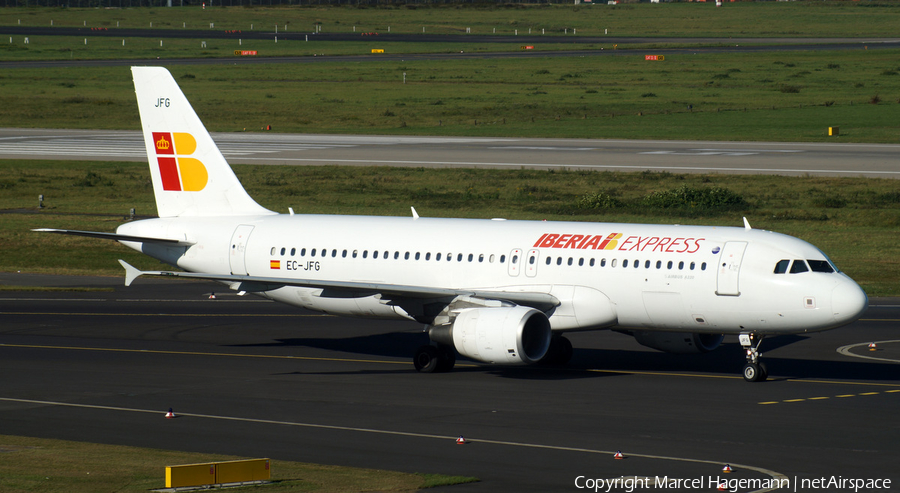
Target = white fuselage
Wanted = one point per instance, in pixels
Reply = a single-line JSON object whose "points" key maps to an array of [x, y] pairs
{"points": [[635, 276]]}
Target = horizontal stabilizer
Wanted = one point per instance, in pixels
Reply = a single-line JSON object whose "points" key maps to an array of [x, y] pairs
{"points": [[115, 236]]}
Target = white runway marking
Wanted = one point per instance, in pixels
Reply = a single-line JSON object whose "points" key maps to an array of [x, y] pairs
{"points": [[773, 474], [671, 169], [847, 351]]}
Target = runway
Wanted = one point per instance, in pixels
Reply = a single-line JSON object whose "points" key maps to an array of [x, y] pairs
{"points": [[870, 160], [255, 378]]}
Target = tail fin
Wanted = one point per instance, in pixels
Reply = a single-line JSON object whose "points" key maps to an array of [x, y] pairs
{"points": [[190, 176]]}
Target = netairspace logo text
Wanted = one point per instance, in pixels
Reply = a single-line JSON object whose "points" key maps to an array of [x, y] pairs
{"points": [[630, 484]]}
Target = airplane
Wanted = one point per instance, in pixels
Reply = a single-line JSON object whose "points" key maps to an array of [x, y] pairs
{"points": [[496, 291]]}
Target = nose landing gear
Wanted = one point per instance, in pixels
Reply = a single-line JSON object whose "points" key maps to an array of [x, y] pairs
{"points": [[754, 371]]}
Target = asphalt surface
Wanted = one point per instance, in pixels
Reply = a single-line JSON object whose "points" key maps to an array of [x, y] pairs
{"points": [[254, 378], [872, 160]]}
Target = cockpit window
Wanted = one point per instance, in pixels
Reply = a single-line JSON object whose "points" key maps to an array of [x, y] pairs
{"points": [[781, 266], [820, 266], [799, 266]]}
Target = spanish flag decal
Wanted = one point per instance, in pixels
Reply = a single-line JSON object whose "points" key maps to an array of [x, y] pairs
{"points": [[179, 171], [274, 264]]}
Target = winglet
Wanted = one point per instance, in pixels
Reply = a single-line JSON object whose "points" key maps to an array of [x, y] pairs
{"points": [[747, 224], [131, 272]]}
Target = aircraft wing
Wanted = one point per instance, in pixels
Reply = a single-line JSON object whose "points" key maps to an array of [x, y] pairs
{"points": [[115, 236], [540, 301]]}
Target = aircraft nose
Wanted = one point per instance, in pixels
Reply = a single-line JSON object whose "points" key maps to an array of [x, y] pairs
{"points": [[848, 301]]}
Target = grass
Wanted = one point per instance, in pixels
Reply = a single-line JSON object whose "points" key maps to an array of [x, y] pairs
{"points": [[854, 220], [36, 464], [742, 19], [703, 96]]}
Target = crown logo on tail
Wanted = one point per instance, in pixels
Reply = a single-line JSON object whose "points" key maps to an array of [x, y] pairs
{"points": [[162, 144]]}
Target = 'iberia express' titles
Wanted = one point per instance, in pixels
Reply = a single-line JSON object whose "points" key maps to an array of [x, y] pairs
{"points": [[614, 241], [179, 173]]}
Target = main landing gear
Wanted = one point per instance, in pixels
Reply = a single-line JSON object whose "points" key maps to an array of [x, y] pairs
{"points": [[559, 353], [754, 371], [434, 359]]}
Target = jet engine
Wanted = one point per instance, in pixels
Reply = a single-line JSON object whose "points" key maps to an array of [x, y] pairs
{"points": [[678, 342], [517, 335]]}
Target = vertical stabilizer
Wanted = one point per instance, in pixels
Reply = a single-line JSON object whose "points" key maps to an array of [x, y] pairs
{"points": [[190, 176]]}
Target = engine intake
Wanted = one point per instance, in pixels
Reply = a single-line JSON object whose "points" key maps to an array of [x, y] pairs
{"points": [[517, 335]]}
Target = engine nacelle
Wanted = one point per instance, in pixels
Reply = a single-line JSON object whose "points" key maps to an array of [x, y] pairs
{"points": [[678, 342], [517, 335]]}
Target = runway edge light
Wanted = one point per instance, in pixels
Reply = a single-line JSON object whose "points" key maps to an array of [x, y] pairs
{"points": [[618, 455], [170, 414], [727, 468], [460, 440]]}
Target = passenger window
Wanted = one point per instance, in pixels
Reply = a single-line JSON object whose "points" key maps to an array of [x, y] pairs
{"points": [[312, 253], [343, 254], [646, 264], [302, 252], [437, 257], [580, 262], [558, 260], [459, 258], [625, 263], [334, 253], [669, 265], [820, 266], [355, 253], [417, 255], [798, 266], [703, 266], [659, 264], [531, 260], [681, 265], [781, 266], [637, 263], [480, 257], [548, 260], [570, 261], [428, 256], [272, 252], [592, 262], [282, 250], [375, 254], [365, 254], [385, 254], [324, 252], [502, 259], [396, 255], [471, 257], [406, 256], [293, 251], [693, 264], [613, 263], [603, 262]]}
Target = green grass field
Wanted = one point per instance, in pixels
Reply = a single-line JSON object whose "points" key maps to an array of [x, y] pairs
{"points": [[854, 220], [36, 464], [785, 96]]}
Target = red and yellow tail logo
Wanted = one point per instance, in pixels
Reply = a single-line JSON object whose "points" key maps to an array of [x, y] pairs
{"points": [[179, 172]]}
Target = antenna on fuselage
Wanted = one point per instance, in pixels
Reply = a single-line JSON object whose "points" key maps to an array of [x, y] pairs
{"points": [[746, 224], [414, 213]]}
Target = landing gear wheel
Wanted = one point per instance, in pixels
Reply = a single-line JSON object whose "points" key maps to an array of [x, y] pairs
{"points": [[430, 359], [426, 359], [754, 372], [559, 353], [446, 358]]}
